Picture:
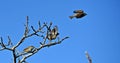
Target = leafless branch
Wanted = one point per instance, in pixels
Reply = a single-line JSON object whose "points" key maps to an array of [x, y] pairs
{"points": [[88, 57], [39, 24], [9, 42], [4, 46], [42, 46], [48, 26], [26, 26], [33, 29]]}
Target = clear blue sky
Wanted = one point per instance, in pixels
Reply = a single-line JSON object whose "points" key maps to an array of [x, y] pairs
{"points": [[98, 32]]}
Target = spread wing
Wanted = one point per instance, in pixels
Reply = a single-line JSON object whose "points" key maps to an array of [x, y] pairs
{"points": [[78, 11]]}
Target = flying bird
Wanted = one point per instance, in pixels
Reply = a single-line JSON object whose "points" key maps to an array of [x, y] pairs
{"points": [[29, 49], [53, 33], [78, 14]]}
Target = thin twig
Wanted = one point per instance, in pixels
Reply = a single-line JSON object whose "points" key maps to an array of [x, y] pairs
{"points": [[33, 29], [26, 26], [2, 44], [88, 57], [39, 24], [9, 41]]}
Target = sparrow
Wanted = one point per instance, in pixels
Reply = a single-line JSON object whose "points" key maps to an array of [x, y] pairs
{"points": [[53, 33], [78, 14], [29, 49]]}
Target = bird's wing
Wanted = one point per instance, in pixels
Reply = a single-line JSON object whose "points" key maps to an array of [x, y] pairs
{"points": [[78, 11], [54, 30]]}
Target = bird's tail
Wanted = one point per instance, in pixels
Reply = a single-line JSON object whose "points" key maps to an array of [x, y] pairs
{"points": [[71, 17]]}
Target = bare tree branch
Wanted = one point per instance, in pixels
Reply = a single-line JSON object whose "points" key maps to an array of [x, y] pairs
{"points": [[39, 24], [88, 57], [26, 27], [4, 45], [9, 42], [42, 46], [33, 29]]}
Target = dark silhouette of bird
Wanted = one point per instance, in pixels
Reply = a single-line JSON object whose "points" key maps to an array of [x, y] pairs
{"points": [[29, 49], [53, 33], [78, 14]]}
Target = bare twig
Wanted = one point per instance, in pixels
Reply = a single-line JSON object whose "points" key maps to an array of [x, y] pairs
{"points": [[48, 26], [88, 57], [44, 40], [33, 29], [26, 26], [9, 42], [3, 45], [39, 24]]}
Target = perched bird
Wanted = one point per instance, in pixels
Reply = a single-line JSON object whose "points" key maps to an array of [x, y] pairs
{"points": [[29, 49], [53, 33], [78, 14]]}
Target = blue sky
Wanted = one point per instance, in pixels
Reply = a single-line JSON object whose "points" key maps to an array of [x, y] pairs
{"points": [[98, 32]]}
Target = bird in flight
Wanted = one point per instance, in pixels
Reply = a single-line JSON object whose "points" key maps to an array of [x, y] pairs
{"points": [[78, 14]]}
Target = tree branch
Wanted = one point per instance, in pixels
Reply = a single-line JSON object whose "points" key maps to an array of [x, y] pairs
{"points": [[88, 57], [42, 46], [4, 45], [26, 27], [14, 56]]}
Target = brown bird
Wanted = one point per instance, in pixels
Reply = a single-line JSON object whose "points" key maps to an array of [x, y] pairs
{"points": [[53, 33], [78, 14], [29, 49], [78, 11]]}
